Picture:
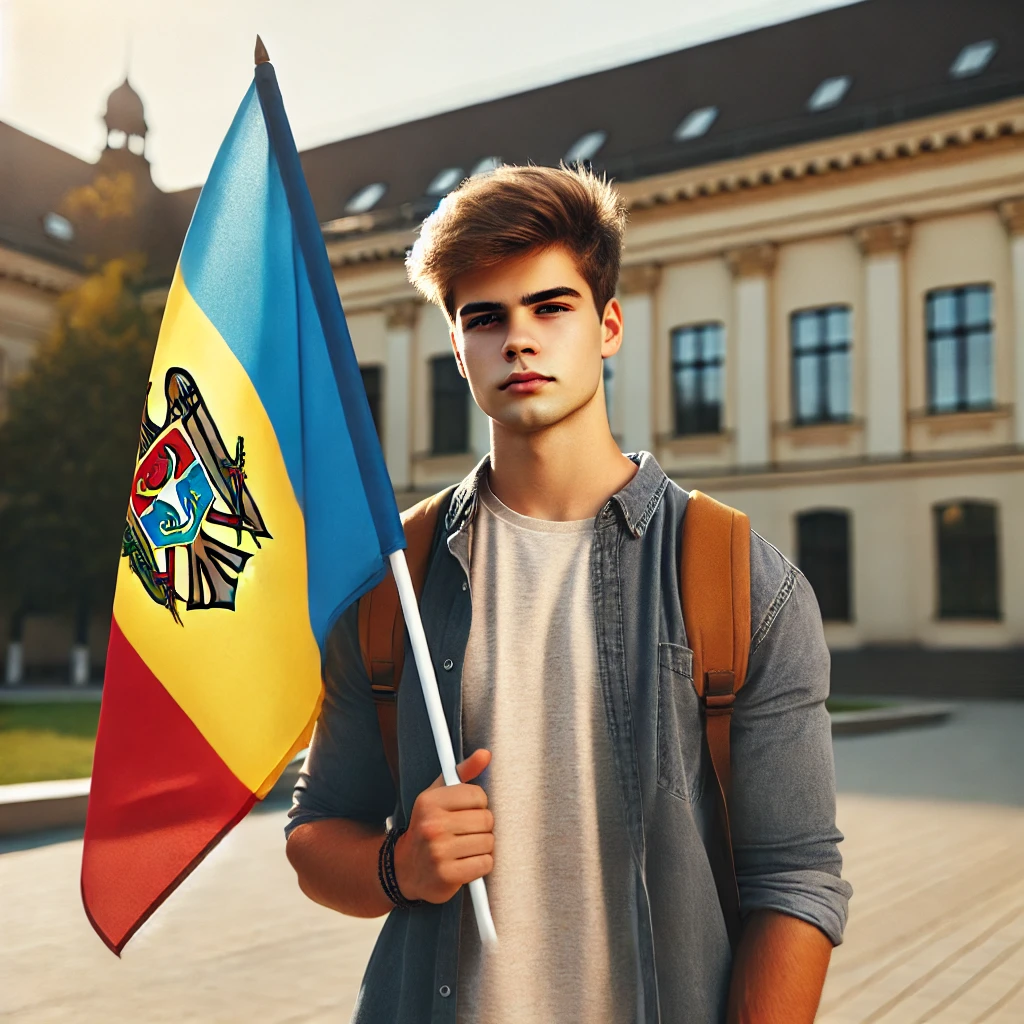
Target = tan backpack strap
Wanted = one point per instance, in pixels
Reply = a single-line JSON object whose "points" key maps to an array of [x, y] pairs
{"points": [[715, 592], [382, 627]]}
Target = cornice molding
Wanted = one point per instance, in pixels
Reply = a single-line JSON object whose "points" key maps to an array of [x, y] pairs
{"points": [[914, 139], [37, 273], [882, 239], [752, 260], [401, 315], [1012, 213], [639, 278]]}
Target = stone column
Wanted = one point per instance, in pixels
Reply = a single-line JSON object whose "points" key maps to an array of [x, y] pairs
{"points": [[882, 246], [752, 267], [400, 320], [1012, 212], [633, 391]]}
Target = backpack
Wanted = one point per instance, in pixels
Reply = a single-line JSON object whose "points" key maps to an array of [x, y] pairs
{"points": [[715, 597]]}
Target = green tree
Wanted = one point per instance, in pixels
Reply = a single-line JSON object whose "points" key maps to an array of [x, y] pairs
{"points": [[68, 448]]}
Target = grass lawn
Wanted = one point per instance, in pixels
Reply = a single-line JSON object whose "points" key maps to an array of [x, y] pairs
{"points": [[39, 742], [855, 705]]}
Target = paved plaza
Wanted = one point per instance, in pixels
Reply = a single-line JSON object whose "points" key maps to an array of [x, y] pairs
{"points": [[934, 819]]}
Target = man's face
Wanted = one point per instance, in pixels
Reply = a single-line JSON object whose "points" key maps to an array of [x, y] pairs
{"points": [[534, 316]]}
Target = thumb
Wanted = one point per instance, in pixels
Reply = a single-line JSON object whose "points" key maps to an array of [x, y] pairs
{"points": [[468, 769]]}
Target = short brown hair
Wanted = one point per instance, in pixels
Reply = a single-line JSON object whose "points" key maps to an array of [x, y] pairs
{"points": [[514, 211]]}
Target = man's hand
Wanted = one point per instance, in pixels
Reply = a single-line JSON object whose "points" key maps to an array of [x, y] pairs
{"points": [[450, 838]]}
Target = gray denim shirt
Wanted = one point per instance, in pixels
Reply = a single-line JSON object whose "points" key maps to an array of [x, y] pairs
{"points": [[782, 806]]}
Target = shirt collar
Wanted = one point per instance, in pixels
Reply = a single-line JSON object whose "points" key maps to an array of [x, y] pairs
{"points": [[637, 501]]}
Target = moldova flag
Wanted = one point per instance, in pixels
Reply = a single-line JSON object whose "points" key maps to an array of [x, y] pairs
{"points": [[259, 510]]}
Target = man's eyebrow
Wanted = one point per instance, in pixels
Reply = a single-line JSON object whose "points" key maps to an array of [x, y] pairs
{"points": [[480, 307], [548, 294]]}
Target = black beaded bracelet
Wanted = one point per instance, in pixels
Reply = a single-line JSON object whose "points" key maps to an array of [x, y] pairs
{"points": [[386, 871]]}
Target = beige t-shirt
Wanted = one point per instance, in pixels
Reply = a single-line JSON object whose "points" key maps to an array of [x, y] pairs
{"points": [[531, 694]]}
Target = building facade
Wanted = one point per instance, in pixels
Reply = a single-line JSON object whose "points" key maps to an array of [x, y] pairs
{"points": [[823, 288]]}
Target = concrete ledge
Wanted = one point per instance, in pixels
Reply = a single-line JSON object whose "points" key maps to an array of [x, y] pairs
{"points": [[41, 806], [38, 806], [899, 716]]}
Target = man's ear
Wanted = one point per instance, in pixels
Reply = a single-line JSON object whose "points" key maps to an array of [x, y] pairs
{"points": [[458, 354], [611, 328]]}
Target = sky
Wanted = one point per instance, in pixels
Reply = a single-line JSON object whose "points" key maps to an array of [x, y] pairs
{"points": [[345, 68]]}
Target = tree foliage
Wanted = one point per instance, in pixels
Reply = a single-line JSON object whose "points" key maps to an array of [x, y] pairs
{"points": [[68, 446]]}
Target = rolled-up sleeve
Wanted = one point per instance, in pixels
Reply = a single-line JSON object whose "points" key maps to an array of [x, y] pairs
{"points": [[782, 806], [345, 774]]}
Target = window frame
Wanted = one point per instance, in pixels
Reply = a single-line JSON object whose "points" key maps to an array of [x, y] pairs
{"points": [[435, 411], [376, 413], [703, 366], [961, 333], [844, 611], [947, 608], [820, 353]]}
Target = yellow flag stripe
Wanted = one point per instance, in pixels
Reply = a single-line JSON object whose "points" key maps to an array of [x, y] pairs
{"points": [[249, 678]]}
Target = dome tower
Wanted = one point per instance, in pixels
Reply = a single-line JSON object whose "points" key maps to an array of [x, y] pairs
{"points": [[126, 120]]}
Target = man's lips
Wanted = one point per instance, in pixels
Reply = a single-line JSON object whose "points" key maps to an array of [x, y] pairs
{"points": [[524, 383]]}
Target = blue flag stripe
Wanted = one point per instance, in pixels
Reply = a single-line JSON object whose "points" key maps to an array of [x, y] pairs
{"points": [[243, 265]]}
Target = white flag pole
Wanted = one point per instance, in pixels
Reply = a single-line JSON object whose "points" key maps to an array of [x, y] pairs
{"points": [[438, 724]]}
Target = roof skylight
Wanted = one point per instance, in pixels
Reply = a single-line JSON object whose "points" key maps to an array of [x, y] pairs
{"points": [[486, 166], [695, 124], [585, 147], [58, 227], [829, 93], [366, 198], [445, 181], [973, 59]]}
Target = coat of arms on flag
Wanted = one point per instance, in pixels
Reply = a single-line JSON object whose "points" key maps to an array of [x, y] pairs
{"points": [[185, 479]]}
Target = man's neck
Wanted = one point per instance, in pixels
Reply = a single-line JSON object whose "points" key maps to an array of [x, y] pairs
{"points": [[566, 472]]}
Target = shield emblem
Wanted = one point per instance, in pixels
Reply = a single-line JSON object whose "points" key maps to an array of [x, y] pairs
{"points": [[172, 491]]}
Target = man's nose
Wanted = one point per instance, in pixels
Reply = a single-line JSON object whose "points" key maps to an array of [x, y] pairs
{"points": [[519, 340]]}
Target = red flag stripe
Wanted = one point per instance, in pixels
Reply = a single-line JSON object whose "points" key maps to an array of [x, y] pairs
{"points": [[161, 799]]}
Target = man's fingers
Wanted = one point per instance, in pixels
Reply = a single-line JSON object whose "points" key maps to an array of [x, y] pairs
{"points": [[474, 764], [468, 769], [472, 822]]}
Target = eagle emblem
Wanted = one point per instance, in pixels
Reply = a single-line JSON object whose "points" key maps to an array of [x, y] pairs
{"points": [[185, 484]]}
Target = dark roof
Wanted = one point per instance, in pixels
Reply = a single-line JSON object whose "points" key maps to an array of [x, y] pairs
{"points": [[35, 180], [897, 53]]}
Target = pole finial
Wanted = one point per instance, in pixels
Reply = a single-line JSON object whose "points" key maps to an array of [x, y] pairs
{"points": [[261, 56]]}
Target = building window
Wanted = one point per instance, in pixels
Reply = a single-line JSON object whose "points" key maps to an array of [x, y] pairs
{"points": [[450, 407], [823, 552], [968, 563], [372, 376], [821, 364], [959, 322], [698, 354]]}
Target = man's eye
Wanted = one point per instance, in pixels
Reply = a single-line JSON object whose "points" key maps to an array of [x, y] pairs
{"points": [[552, 307], [484, 320]]}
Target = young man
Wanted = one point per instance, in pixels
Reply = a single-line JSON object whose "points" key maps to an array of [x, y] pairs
{"points": [[552, 608]]}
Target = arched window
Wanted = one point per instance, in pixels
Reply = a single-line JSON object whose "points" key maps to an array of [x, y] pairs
{"points": [[823, 554], [450, 433], [968, 560]]}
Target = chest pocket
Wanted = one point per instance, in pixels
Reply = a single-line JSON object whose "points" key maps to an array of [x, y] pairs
{"points": [[680, 729]]}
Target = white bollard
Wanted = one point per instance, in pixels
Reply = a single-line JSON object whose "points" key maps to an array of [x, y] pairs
{"points": [[15, 663], [80, 665]]}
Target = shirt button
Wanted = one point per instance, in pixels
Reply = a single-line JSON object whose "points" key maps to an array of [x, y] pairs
{"points": [[445, 991], [448, 663], [465, 585]]}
